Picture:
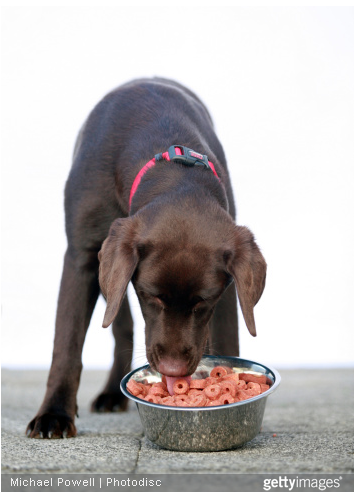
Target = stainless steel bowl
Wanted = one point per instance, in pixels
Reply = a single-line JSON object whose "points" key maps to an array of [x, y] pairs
{"points": [[203, 428]]}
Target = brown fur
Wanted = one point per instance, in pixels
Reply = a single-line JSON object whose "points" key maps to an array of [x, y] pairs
{"points": [[179, 245]]}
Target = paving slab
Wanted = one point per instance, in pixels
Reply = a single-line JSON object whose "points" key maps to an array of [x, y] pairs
{"points": [[311, 414]]}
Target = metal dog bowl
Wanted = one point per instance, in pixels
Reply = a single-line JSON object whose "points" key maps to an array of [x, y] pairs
{"points": [[203, 428]]}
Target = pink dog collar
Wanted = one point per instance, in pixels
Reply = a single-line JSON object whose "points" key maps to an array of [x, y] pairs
{"points": [[176, 153]]}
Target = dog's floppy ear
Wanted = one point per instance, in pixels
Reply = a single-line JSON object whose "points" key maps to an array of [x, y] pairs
{"points": [[118, 260], [245, 263]]}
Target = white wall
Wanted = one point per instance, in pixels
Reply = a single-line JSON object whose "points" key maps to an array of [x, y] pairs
{"points": [[279, 84]]}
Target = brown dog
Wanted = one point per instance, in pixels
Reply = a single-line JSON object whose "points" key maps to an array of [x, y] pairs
{"points": [[177, 243]]}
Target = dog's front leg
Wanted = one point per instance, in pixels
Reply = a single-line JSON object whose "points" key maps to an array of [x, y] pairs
{"points": [[79, 290]]}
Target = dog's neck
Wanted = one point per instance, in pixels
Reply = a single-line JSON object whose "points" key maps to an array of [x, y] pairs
{"points": [[178, 154]]}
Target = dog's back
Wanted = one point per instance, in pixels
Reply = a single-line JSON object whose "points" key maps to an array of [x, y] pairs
{"points": [[125, 130]]}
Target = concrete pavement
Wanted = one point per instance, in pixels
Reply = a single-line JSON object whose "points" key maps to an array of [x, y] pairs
{"points": [[311, 414]]}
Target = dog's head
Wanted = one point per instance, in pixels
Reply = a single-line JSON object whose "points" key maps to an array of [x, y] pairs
{"points": [[179, 269]]}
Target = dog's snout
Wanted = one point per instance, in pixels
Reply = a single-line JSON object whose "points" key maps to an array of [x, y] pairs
{"points": [[173, 367]]}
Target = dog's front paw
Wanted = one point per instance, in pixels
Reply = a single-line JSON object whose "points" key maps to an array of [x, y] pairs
{"points": [[109, 402], [51, 426]]}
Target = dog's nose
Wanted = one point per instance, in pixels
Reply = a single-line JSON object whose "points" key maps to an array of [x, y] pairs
{"points": [[173, 367]]}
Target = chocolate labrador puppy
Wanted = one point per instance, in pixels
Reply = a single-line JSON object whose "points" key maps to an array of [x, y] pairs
{"points": [[165, 223]]}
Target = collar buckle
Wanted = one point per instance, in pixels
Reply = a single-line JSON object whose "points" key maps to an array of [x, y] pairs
{"points": [[188, 157]]}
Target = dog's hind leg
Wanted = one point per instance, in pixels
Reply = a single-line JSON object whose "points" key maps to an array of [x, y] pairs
{"points": [[111, 398], [223, 329]]}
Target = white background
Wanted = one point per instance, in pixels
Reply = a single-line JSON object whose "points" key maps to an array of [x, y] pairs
{"points": [[279, 84]]}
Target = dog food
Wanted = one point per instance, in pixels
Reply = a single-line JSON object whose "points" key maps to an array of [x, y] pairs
{"points": [[222, 387]]}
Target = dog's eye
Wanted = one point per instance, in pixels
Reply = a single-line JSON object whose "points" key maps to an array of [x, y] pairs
{"points": [[159, 302], [153, 300], [199, 306]]}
